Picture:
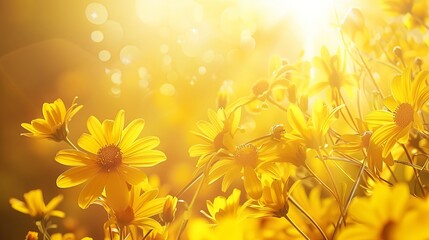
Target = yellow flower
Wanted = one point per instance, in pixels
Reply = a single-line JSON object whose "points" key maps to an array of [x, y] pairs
{"points": [[402, 114], [111, 158], [32, 235], [67, 236], [34, 205], [247, 161], [274, 200], [359, 143], [54, 124], [137, 212], [216, 134], [169, 210], [223, 208], [313, 132], [390, 213], [330, 71]]}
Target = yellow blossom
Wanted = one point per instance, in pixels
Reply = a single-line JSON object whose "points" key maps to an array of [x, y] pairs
{"points": [[111, 158], [54, 124], [391, 213], [34, 205], [136, 215], [402, 115]]}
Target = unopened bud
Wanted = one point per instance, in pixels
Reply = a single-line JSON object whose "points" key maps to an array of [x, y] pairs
{"points": [[260, 87], [397, 50]]}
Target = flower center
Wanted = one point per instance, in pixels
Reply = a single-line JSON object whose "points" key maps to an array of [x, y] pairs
{"points": [[387, 231], [125, 217], [247, 155], [404, 115], [109, 157]]}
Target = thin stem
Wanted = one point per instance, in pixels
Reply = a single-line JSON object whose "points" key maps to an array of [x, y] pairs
{"points": [[296, 227], [369, 73], [276, 104], [302, 210], [350, 197], [348, 110], [189, 185], [67, 140], [188, 211], [419, 181], [331, 178]]}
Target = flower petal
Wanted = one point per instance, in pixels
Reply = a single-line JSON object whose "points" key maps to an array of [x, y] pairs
{"points": [[92, 190], [71, 157], [132, 175], [131, 132], [76, 176]]}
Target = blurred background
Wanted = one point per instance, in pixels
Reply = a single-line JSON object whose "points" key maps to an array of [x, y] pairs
{"points": [[164, 61]]}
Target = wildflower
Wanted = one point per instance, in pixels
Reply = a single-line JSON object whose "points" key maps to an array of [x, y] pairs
{"points": [[359, 143], [110, 160], [274, 200], [67, 236], [136, 214], [227, 208], [247, 160], [34, 205], [331, 71], [32, 235], [54, 124], [413, 11], [402, 114], [217, 134], [169, 210], [390, 213], [311, 133]]}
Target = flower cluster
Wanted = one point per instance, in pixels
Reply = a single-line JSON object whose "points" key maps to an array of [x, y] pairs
{"points": [[348, 158]]}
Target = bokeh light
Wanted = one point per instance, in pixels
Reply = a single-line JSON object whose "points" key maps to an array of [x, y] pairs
{"points": [[278, 100]]}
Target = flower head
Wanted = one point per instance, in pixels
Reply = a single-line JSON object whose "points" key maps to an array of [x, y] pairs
{"points": [[54, 124], [217, 134], [136, 214], [111, 158], [402, 114], [227, 208], [390, 213], [34, 205], [247, 161]]}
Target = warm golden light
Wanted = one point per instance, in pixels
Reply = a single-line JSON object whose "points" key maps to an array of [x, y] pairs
{"points": [[210, 119]]}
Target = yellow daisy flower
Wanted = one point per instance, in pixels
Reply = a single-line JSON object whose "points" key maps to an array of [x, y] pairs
{"points": [[274, 199], [32, 235], [247, 161], [169, 210], [67, 236], [110, 160], [389, 214], [136, 216], [217, 134], [54, 124], [358, 144], [223, 208], [330, 71], [402, 114], [311, 133], [34, 205]]}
